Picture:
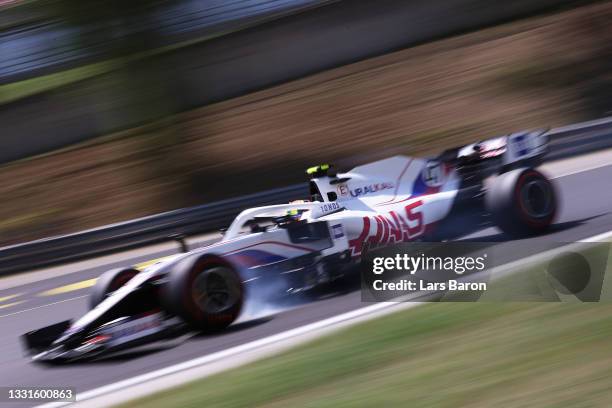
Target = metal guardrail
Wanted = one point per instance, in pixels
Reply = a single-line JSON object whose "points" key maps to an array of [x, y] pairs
{"points": [[138, 232], [566, 141], [335, 33]]}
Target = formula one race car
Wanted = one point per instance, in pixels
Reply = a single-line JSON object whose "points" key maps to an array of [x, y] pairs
{"points": [[291, 248]]}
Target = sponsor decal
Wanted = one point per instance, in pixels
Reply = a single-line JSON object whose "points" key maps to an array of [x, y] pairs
{"points": [[344, 191], [329, 207], [338, 231], [382, 230], [521, 145], [325, 209], [433, 174]]}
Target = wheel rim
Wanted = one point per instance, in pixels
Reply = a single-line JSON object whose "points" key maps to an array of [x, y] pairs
{"points": [[213, 292], [537, 198]]}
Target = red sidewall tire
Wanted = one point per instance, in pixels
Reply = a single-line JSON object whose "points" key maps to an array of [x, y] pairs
{"points": [[180, 294], [506, 202], [109, 282], [522, 212]]}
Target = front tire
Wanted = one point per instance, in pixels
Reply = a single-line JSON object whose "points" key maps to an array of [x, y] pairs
{"points": [[109, 282], [522, 202], [205, 292]]}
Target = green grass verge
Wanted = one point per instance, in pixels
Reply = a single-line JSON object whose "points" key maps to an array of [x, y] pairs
{"points": [[438, 355], [22, 89]]}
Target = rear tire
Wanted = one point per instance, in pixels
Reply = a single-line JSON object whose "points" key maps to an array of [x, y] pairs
{"points": [[205, 292], [522, 202], [109, 282]]}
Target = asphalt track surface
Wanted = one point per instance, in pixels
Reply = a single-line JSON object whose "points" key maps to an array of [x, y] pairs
{"points": [[586, 197]]}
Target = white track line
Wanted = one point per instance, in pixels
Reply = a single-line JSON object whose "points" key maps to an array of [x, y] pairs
{"points": [[41, 306], [201, 367], [599, 166]]}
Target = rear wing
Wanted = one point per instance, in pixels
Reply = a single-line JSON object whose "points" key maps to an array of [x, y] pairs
{"points": [[525, 148]]}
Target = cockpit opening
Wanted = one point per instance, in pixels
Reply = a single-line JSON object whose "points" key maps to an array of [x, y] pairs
{"points": [[315, 193]]}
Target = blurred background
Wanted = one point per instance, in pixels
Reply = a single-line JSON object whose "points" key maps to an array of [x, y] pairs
{"points": [[112, 110]]}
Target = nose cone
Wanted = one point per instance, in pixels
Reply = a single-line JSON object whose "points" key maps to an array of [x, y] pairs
{"points": [[61, 353], [55, 355]]}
